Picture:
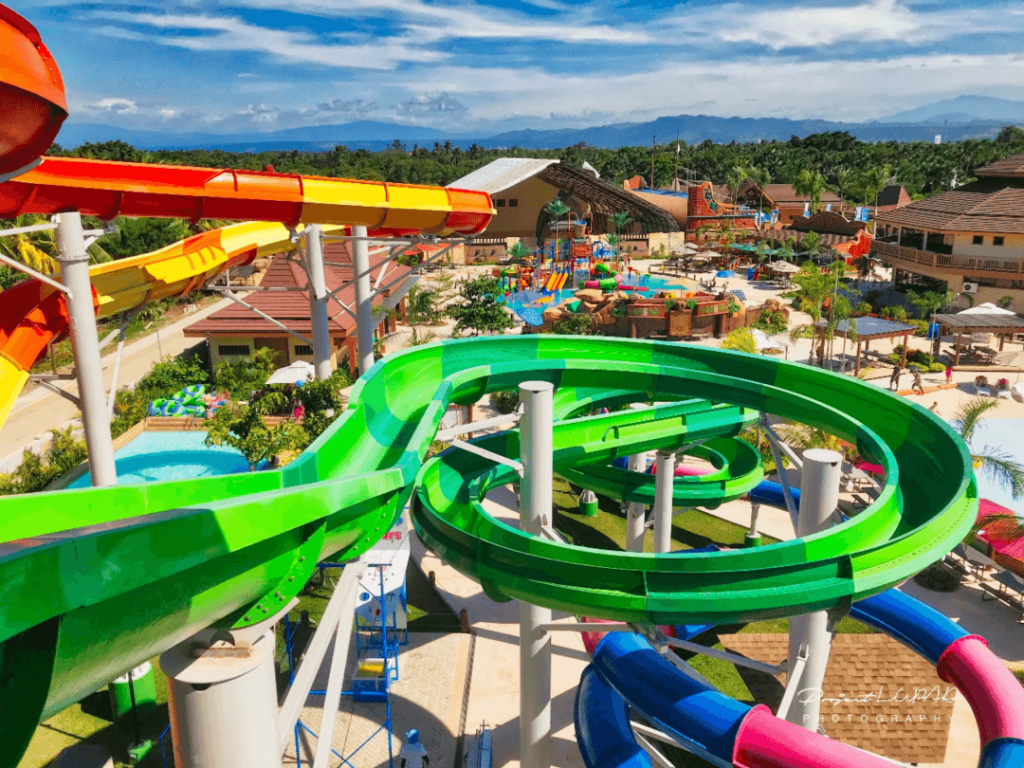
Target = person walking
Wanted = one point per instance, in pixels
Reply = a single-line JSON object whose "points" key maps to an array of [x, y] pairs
{"points": [[949, 375], [894, 380], [413, 754], [918, 384]]}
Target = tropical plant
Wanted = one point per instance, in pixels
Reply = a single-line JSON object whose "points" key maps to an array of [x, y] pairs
{"points": [[1004, 301], [421, 307], [930, 302], [812, 184], [244, 429], [740, 340], [321, 403], [736, 176], [505, 401], [479, 311], [895, 313], [997, 465], [620, 221], [811, 243], [574, 325], [803, 332], [518, 252], [556, 209], [36, 472], [36, 250], [771, 322], [244, 376]]}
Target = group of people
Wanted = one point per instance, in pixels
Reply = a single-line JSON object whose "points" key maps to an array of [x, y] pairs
{"points": [[918, 385]]}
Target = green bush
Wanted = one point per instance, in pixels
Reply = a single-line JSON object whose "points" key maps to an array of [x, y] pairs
{"points": [[619, 310], [505, 401], [36, 472], [574, 325], [862, 308], [772, 322], [245, 376], [898, 314], [937, 368]]}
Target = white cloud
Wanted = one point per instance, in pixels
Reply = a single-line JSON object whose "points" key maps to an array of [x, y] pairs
{"points": [[432, 23], [167, 114], [425, 105], [223, 33], [118, 105]]}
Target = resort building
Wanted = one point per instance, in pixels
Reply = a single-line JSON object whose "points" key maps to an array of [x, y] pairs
{"points": [[520, 188], [236, 331], [790, 205], [970, 238], [892, 197]]}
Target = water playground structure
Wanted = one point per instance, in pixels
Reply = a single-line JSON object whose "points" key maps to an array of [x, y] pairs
{"points": [[186, 402], [96, 581]]}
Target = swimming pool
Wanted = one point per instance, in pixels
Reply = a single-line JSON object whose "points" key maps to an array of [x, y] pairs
{"points": [[1003, 436], [170, 456]]}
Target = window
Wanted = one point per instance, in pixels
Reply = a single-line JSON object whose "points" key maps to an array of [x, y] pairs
{"points": [[303, 349], [998, 240], [232, 349], [978, 240], [513, 202], [499, 203]]}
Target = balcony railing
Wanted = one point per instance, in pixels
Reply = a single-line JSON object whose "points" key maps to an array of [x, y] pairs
{"points": [[948, 263]]}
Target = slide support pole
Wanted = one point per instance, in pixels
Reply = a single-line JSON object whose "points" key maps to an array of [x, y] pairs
{"points": [[535, 453], [223, 708], [364, 298], [74, 272], [809, 635], [636, 512], [666, 470], [318, 302]]}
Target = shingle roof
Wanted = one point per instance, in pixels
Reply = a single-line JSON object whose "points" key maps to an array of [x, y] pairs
{"points": [[828, 222], [784, 193], [986, 205], [292, 307], [1012, 166], [890, 195], [997, 322], [869, 693], [498, 175], [781, 235]]}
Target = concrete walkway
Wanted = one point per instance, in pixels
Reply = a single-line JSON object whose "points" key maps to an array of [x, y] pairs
{"points": [[37, 412]]}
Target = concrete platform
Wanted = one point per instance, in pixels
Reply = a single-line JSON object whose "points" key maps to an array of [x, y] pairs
{"points": [[428, 696]]}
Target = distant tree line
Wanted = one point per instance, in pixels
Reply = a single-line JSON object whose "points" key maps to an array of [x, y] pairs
{"points": [[923, 168]]}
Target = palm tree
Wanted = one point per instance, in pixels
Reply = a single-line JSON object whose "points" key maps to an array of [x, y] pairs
{"points": [[518, 252], [736, 176], [1000, 467], [620, 221], [556, 209], [873, 181], [36, 250], [803, 332], [812, 184], [762, 178]]}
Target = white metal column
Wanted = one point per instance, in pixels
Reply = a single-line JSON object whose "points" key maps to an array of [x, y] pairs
{"points": [[74, 271], [535, 453], [364, 298], [809, 634], [223, 707], [664, 477], [636, 512], [318, 301]]}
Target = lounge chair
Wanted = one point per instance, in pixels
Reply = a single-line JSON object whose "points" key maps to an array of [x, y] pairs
{"points": [[1009, 592], [1017, 392]]}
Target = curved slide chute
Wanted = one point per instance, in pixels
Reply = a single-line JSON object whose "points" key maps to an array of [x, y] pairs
{"points": [[627, 673], [33, 314]]}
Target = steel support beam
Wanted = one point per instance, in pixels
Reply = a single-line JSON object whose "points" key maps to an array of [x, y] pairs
{"points": [[74, 269], [317, 286], [536, 453], [663, 480], [364, 298], [809, 634]]}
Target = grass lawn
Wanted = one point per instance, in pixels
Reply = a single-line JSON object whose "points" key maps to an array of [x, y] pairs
{"points": [[89, 721]]}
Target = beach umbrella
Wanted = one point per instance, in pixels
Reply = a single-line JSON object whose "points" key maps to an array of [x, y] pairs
{"points": [[299, 371]]}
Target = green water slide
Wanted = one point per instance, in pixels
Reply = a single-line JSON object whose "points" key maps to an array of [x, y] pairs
{"points": [[94, 581]]}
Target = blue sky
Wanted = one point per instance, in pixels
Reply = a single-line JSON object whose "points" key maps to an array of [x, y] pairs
{"points": [[471, 67]]}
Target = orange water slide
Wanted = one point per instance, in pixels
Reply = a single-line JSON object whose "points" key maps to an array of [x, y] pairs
{"points": [[33, 314]]}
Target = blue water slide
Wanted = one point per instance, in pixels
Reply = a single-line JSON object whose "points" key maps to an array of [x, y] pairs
{"points": [[603, 732], [767, 492]]}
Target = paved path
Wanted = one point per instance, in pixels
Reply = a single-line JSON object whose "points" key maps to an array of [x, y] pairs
{"points": [[37, 412]]}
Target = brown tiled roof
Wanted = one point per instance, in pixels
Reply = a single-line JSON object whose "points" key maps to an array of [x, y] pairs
{"points": [[781, 235], [986, 205], [828, 222], [292, 307], [1012, 166], [891, 195], [784, 194], [865, 673]]}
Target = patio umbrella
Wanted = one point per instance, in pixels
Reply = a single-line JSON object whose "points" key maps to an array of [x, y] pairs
{"points": [[988, 308], [784, 266], [726, 273], [298, 371]]}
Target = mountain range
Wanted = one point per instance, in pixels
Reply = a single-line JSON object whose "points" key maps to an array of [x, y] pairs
{"points": [[955, 119]]}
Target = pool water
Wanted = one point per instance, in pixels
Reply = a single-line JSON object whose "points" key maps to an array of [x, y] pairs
{"points": [[653, 283], [170, 456]]}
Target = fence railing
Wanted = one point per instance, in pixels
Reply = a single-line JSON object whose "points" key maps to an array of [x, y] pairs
{"points": [[946, 262]]}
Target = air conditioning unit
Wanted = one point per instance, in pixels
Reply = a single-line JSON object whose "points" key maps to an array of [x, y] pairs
{"points": [[970, 287]]}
